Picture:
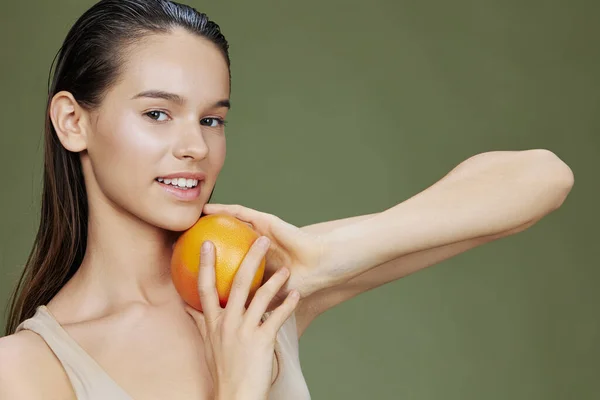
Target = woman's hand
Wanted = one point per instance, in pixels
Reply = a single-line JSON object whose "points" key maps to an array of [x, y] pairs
{"points": [[239, 343], [300, 252]]}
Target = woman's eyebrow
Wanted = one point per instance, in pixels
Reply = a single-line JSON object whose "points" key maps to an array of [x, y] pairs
{"points": [[223, 103], [160, 94], [178, 99]]}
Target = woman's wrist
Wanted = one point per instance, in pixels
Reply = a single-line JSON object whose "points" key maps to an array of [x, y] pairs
{"points": [[328, 272], [351, 250]]}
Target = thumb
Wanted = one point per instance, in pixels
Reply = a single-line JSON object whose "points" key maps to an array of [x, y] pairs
{"points": [[199, 319]]}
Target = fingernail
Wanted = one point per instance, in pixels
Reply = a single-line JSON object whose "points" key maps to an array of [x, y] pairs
{"points": [[206, 246], [264, 241], [295, 294], [283, 271]]}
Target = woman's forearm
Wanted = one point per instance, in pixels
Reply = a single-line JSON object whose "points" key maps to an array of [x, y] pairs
{"points": [[485, 195]]}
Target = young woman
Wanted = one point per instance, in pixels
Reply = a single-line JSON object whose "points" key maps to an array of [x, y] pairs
{"points": [[134, 145]]}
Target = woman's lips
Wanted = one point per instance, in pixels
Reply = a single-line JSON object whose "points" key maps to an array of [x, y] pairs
{"points": [[188, 194]]}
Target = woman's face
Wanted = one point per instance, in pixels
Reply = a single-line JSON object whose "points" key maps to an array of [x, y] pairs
{"points": [[160, 127]]}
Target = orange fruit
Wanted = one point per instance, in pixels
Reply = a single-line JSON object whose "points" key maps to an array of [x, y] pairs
{"points": [[231, 238]]}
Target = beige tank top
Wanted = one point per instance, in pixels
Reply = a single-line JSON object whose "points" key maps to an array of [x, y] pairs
{"points": [[91, 382]]}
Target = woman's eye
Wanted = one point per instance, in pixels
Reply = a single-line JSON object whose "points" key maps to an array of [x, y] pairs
{"points": [[212, 122], [156, 115]]}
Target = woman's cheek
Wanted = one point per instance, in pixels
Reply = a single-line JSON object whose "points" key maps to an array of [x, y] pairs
{"points": [[135, 139], [217, 153]]}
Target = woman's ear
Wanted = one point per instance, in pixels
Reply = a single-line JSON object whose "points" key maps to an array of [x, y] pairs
{"points": [[70, 120]]}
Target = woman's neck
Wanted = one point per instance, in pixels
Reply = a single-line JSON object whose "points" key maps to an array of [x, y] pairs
{"points": [[126, 262]]}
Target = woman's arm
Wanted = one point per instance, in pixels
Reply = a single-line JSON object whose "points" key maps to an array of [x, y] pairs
{"points": [[30, 370], [486, 197]]}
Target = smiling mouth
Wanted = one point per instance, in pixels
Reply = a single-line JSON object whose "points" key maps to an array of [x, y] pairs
{"points": [[179, 183]]}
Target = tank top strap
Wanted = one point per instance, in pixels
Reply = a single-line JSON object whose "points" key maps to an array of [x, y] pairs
{"points": [[88, 378], [290, 383]]}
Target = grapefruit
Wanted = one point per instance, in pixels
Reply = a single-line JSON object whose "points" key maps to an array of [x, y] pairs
{"points": [[231, 238]]}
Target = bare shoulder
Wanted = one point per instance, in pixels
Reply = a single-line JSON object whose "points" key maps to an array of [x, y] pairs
{"points": [[30, 370]]}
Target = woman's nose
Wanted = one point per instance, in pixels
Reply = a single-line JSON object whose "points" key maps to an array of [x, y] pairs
{"points": [[192, 145]]}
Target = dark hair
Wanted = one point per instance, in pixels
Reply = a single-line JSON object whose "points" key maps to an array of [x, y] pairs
{"points": [[88, 63]]}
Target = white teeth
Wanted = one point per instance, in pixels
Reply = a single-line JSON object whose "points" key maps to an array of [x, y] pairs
{"points": [[180, 182]]}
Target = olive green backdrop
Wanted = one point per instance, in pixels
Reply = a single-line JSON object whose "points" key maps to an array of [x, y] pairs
{"points": [[343, 108]]}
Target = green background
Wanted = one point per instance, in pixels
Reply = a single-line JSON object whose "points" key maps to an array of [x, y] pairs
{"points": [[343, 108]]}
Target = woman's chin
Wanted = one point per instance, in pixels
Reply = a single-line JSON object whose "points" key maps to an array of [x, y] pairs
{"points": [[177, 223]]}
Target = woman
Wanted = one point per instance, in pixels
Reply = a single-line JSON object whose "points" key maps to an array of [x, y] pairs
{"points": [[134, 145]]}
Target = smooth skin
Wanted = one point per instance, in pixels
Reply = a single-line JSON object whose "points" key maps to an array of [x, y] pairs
{"points": [[239, 344], [122, 307]]}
